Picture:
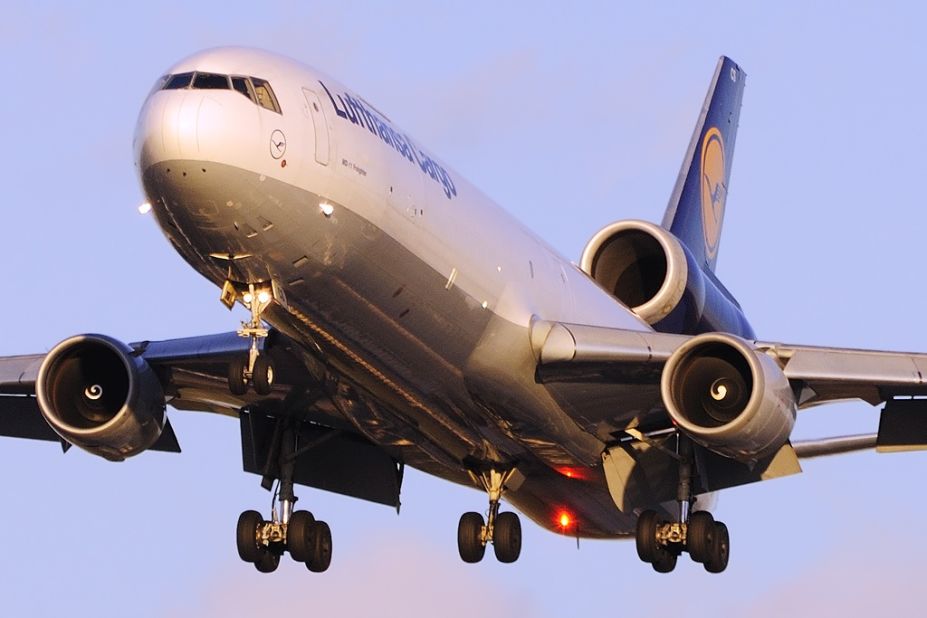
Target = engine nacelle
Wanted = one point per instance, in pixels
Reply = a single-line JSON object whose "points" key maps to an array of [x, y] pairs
{"points": [[651, 272], [96, 394], [729, 397]]}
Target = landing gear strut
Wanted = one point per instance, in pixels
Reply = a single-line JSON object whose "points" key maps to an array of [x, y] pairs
{"points": [[262, 542], [503, 530], [256, 369], [661, 542]]}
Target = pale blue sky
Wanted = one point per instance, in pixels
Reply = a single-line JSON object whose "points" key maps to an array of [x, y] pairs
{"points": [[570, 117]]}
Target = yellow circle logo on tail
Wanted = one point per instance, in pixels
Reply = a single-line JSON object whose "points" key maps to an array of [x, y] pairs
{"points": [[714, 192]]}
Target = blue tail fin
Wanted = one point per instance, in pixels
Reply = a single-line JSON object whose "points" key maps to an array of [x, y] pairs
{"points": [[696, 209]]}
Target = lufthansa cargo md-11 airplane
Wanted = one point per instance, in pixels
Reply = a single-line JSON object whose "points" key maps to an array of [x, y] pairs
{"points": [[398, 317]]}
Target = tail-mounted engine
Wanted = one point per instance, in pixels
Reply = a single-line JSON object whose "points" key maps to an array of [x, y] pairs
{"points": [[97, 395], [650, 271], [728, 397]]}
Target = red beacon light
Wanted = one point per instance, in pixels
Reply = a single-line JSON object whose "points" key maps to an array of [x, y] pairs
{"points": [[565, 520], [573, 472]]}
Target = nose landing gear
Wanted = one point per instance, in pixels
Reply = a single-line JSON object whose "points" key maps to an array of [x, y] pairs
{"points": [[503, 530], [256, 369]]}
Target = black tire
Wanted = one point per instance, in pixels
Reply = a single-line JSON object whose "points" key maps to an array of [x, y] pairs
{"points": [[469, 541], [700, 536], [237, 384], [665, 560], [268, 562], [321, 556], [506, 537], [646, 536], [300, 536], [262, 378], [249, 549], [721, 550]]}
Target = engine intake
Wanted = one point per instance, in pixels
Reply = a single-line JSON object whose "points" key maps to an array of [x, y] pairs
{"points": [[97, 395], [729, 397], [652, 272]]}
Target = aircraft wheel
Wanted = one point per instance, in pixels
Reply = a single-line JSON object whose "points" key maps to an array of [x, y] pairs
{"points": [[268, 562], [665, 560], [646, 536], [263, 375], [469, 541], [249, 549], [700, 536], [237, 384], [506, 537], [300, 541], [320, 557], [720, 551]]}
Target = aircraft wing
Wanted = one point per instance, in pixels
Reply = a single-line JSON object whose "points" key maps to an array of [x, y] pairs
{"points": [[193, 375], [568, 352], [588, 365], [594, 355]]}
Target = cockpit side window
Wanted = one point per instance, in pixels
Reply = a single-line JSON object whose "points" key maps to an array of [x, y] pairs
{"points": [[243, 85], [210, 81], [159, 84], [265, 95], [176, 82]]}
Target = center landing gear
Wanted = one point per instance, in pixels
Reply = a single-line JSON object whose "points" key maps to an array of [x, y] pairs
{"points": [[661, 542], [255, 369], [262, 542], [503, 530]]}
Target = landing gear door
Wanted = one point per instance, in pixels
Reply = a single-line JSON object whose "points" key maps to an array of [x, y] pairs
{"points": [[320, 127]]}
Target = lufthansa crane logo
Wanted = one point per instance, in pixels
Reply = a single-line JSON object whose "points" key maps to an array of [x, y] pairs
{"points": [[714, 193], [277, 144]]}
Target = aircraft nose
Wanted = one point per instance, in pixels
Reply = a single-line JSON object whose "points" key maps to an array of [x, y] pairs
{"points": [[167, 129], [192, 125]]}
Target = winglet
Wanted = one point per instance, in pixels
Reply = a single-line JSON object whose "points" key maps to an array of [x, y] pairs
{"points": [[696, 208]]}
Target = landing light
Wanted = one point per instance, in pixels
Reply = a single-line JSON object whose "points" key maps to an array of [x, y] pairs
{"points": [[247, 298], [144, 208], [327, 209], [263, 297]]}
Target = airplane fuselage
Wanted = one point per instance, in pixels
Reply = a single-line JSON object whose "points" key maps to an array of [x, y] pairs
{"points": [[417, 289]]}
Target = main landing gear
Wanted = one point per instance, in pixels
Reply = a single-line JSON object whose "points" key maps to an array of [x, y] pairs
{"points": [[503, 530], [661, 542], [307, 540], [255, 369]]}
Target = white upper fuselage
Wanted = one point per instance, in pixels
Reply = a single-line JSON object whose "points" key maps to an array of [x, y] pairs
{"points": [[466, 231], [329, 200]]}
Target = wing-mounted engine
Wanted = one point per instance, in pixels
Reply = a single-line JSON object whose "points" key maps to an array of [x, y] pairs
{"points": [[96, 394], [729, 397], [654, 274]]}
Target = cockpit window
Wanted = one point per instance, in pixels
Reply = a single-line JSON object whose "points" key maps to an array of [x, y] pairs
{"points": [[210, 81], [265, 95], [158, 85], [176, 82], [243, 85], [258, 90]]}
